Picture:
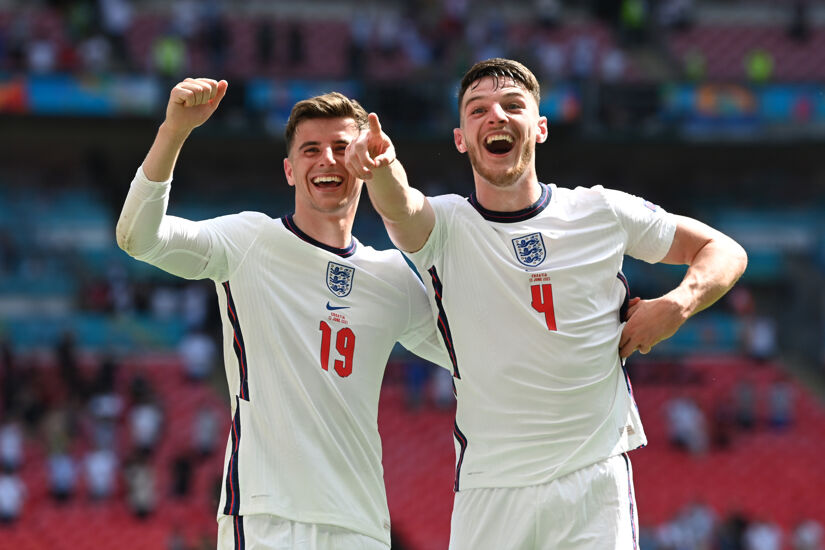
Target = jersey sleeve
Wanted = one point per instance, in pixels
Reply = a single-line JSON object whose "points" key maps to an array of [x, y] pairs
{"points": [[209, 249], [442, 207], [421, 336], [649, 228]]}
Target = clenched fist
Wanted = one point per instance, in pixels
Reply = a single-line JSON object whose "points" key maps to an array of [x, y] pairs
{"points": [[192, 102]]}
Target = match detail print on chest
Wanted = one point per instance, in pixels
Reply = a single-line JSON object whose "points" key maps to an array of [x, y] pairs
{"points": [[530, 251]]}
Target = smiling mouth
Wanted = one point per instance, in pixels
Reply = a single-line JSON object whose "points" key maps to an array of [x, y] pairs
{"points": [[327, 182], [499, 144]]}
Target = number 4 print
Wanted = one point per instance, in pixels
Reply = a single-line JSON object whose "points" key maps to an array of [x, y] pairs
{"points": [[543, 303], [344, 343]]}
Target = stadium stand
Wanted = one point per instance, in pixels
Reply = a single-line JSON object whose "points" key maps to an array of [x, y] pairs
{"points": [[70, 300]]}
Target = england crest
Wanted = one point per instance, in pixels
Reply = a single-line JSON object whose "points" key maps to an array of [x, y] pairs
{"points": [[339, 279], [530, 249]]}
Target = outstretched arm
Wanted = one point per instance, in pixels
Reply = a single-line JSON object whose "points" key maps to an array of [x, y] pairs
{"points": [[716, 262], [143, 228], [406, 212]]}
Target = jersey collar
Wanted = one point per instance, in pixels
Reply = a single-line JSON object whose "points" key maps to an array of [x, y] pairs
{"points": [[293, 227], [518, 216]]}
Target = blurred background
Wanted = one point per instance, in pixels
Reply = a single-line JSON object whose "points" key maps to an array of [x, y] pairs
{"points": [[113, 401]]}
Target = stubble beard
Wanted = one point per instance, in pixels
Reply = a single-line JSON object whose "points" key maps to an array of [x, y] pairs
{"points": [[508, 176]]}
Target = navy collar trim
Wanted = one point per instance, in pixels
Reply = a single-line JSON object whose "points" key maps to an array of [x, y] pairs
{"points": [[518, 216], [290, 224]]}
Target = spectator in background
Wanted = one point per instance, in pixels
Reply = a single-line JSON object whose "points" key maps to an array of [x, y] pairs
{"points": [[181, 470], [780, 402], [12, 495], [442, 388], [62, 476], [731, 535], [169, 55], [198, 352], [548, 12], [687, 428], [633, 21], [809, 535], [759, 66], [140, 486], [11, 445], [95, 54], [744, 402], [67, 364], [215, 37], [763, 535], [760, 337], [205, 431], [9, 382], [100, 467], [116, 18], [551, 59], [694, 65], [146, 420], [676, 14], [800, 27]]}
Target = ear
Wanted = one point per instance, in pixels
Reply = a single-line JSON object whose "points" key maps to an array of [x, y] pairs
{"points": [[541, 133], [458, 137], [288, 171]]}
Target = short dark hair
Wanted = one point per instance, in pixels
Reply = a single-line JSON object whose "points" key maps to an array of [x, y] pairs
{"points": [[498, 67], [330, 105]]}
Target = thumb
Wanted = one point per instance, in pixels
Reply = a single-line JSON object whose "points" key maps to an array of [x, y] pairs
{"points": [[375, 124], [222, 87]]}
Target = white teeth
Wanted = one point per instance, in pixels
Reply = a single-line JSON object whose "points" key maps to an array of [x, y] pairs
{"points": [[499, 137], [327, 179]]}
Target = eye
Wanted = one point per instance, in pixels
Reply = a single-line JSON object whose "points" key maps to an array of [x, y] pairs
{"points": [[514, 106], [477, 111], [311, 150]]}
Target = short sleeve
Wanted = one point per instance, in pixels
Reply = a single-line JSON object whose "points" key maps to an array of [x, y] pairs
{"points": [[649, 228], [421, 335], [443, 207]]}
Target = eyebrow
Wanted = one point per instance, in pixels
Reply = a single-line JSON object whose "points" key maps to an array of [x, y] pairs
{"points": [[508, 95]]}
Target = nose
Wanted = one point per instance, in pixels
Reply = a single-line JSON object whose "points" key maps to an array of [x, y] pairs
{"points": [[327, 156], [496, 114]]}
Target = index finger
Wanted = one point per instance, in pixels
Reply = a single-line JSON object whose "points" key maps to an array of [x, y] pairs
{"points": [[375, 124]]}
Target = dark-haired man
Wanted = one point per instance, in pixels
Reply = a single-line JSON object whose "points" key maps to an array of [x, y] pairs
{"points": [[526, 289], [310, 316]]}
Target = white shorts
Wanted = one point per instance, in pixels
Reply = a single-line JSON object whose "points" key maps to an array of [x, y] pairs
{"points": [[267, 532], [590, 509]]}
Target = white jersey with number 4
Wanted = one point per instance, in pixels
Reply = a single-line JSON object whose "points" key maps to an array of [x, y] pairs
{"points": [[307, 332], [528, 304]]}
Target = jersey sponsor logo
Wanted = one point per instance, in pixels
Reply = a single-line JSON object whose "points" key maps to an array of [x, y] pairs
{"points": [[530, 249], [339, 279], [333, 308], [650, 206]]}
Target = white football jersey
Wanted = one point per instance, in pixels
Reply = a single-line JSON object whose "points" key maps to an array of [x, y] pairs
{"points": [[528, 305], [307, 332]]}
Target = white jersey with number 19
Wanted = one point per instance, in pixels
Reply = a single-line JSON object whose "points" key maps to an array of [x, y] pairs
{"points": [[528, 304], [307, 332]]}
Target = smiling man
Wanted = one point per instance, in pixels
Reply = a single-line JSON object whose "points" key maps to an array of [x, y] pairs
{"points": [[526, 289], [310, 316]]}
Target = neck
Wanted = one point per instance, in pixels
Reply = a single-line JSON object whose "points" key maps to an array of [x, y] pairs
{"points": [[519, 195], [331, 229]]}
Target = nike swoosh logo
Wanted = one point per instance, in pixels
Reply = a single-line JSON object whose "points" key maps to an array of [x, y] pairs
{"points": [[333, 308]]}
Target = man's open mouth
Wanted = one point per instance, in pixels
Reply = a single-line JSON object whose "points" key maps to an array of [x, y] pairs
{"points": [[327, 181], [499, 144]]}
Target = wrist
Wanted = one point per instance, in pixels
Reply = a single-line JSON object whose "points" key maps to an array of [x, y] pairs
{"points": [[171, 132]]}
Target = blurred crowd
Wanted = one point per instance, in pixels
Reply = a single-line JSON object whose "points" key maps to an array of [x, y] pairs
{"points": [[435, 38]]}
